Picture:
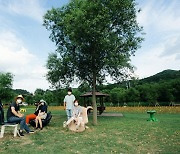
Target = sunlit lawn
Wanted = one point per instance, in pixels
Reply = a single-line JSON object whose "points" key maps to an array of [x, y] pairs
{"points": [[129, 134]]}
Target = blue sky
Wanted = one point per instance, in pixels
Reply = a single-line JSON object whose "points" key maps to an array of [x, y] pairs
{"points": [[25, 43]]}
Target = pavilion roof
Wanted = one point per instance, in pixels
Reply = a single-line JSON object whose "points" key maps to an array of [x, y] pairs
{"points": [[89, 94]]}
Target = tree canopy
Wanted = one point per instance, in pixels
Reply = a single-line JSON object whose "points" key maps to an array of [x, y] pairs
{"points": [[94, 39]]}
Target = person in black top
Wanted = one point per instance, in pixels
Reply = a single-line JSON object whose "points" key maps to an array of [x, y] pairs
{"points": [[42, 114], [1, 113], [35, 114], [14, 115]]}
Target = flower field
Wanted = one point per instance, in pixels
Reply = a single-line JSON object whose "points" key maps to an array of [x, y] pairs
{"points": [[161, 109]]}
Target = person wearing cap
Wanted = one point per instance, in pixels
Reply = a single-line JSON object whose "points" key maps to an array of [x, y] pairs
{"points": [[14, 115], [42, 114], [69, 103]]}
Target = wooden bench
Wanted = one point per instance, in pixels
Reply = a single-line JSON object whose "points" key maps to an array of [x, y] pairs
{"points": [[6, 124]]}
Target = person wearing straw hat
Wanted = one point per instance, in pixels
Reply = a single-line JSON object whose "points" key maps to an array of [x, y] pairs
{"points": [[14, 115]]}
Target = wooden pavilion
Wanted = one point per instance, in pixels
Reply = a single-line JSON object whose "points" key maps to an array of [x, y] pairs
{"points": [[99, 96]]}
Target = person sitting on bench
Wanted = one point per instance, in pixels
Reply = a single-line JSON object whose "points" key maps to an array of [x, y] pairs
{"points": [[14, 115], [76, 116], [35, 114], [42, 114]]}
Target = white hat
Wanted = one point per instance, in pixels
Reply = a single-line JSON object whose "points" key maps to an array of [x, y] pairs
{"points": [[42, 101]]}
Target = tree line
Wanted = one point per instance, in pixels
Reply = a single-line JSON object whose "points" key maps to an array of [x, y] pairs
{"points": [[138, 93]]}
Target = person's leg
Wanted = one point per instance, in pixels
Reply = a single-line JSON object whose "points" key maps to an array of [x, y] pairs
{"points": [[21, 121], [40, 122], [36, 120], [23, 125], [82, 122], [68, 112], [30, 117], [70, 120], [79, 120], [16, 120]]}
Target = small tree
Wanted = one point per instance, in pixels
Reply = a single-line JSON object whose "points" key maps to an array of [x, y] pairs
{"points": [[94, 39]]}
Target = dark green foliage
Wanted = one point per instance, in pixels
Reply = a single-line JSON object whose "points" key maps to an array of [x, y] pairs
{"points": [[162, 76], [6, 81], [91, 36], [21, 91]]}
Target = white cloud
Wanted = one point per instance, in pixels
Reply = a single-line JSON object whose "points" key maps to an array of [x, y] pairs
{"points": [[151, 62], [29, 8], [161, 48], [172, 45], [15, 58], [160, 16]]}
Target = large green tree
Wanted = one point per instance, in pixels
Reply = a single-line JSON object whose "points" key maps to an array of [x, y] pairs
{"points": [[6, 81], [94, 39]]}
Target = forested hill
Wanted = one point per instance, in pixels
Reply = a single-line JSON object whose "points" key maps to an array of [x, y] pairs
{"points": [[21, 91], [163, 87], [162, 76]]}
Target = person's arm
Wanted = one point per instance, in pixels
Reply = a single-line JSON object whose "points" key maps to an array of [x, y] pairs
{"points": [[22, 115], [73, 113], [18, 114], [37, 108], [80, 111], [79, 114], [74, 98], [42, 113], [39, 113], [64, 102], [64, 105]]}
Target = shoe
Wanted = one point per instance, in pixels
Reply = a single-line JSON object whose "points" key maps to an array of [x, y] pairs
{"points": [[86, 127], [64, 124], [41, 128], [31, 132], [20, 133]]}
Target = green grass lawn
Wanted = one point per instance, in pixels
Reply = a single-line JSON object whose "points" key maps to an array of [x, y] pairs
{"points": [[129, 134]]}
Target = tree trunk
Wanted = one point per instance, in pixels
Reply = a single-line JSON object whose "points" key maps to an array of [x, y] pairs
{"points": [[94, 100]]}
